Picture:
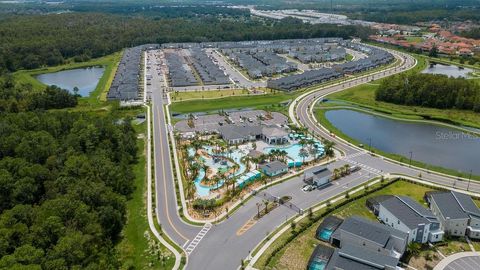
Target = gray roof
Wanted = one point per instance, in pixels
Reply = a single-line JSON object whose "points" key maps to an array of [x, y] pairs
{"points": [[408, 211], [320, 173], [448, 205], [254, 153], [232, 132], [274, 166], [274, 132], [466, 203], [354, 257], [370, 230]]}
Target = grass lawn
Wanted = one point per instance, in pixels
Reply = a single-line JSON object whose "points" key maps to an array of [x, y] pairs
{"points": [[179, 96], [295, 254], [137, 250], [97, 98], [267, 102]]}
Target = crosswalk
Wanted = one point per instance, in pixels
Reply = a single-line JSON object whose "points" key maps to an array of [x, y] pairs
{"points": [[198, 238], [365, 167], [354, 155]]}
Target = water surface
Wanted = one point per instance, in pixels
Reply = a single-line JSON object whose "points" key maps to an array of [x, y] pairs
{"points": [[431, 144], [85, 79]]}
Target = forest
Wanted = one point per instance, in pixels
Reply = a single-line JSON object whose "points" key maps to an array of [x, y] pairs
{"points": [[53, 39], [64, 180], [20, 97], [430, 90]]}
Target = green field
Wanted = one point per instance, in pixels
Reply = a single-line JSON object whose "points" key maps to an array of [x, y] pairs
{"points": [[138, 248], [267, 102], [295, 254], [97, 98]]}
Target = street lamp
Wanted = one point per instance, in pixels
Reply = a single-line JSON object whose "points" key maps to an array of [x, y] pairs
{"points": [[469, 178], [369, 144], [410, 163]]}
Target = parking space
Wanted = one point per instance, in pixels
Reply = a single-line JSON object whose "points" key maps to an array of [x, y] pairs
{"points": [[209, 123]]}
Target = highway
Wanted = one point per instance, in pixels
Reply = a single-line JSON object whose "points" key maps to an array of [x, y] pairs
{"points": [[224, 245]]}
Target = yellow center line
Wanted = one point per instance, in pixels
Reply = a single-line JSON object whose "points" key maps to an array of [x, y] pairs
{"points": [[165, 184]]}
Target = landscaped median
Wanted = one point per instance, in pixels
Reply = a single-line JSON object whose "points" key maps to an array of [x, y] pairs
{"points": [[293, 245]]}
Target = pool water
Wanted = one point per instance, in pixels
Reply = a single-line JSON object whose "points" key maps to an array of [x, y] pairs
{"points": [[293, 152], [221, 166], [317, 265], [325, 234]]}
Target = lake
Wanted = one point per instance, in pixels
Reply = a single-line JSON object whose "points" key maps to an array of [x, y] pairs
{"points": [[86, 79], [431, 144], [449, 70]]}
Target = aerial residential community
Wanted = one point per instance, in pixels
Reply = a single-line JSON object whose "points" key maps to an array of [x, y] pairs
{"points": [[236, 134]]}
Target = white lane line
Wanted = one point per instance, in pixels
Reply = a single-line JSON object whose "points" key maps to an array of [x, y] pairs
{"points": [[198, 238]]}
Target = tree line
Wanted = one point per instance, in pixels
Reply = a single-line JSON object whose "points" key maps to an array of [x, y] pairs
{"points": [[18, 97], [430, 90], [30, 42]]}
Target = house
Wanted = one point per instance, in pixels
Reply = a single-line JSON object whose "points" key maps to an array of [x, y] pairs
{"points": [[319, 177], [274, 135], [371, 236], [406, 215], [274, 168], [457, 213], [353, 257], [238, 134]]}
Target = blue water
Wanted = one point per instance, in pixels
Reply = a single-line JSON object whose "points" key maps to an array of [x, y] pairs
{"points": [[236, 155], [293, 153], [325, 234], [317, 265], [85, 79], [431, 144]]}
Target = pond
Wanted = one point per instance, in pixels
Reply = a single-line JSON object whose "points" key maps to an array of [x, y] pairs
{"points": [[85, 79], [429, 143], [449, 70]]}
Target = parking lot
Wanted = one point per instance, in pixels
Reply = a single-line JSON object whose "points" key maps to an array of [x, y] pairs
{"points": [[203, 123]]}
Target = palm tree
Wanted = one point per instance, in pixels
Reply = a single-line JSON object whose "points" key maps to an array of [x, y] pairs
{"points": [[216, 179], [328, 147], [303, 154], [265, 202], [346, 168], [335, 173], [303, 142], [258, 209], [283, 155]]}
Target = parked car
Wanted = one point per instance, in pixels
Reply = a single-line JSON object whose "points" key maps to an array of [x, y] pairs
{"points": [[307, 188]]}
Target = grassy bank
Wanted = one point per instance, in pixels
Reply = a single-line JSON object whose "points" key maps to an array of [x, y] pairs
{"points": [[364, 96], [295, 253], [267, 102], [139, 248], [320, 116]]}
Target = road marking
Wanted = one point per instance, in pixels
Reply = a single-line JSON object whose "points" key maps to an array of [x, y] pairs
{"points": [[357, 154], [165, 184], [198, 238], [246, 227]]}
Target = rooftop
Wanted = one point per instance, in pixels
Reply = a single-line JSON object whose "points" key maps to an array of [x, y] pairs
{"points": [[370, 230], [408, 211]]}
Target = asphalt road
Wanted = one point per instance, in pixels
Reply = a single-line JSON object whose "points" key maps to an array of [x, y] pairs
{"points": [[220, 247]]}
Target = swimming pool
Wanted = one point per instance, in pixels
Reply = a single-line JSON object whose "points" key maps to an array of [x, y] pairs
{"points": [[293, 152], [317, 265], [325, 234], [223, 165]]}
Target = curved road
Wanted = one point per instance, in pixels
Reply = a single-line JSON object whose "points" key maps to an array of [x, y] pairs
{"points": [[304, 116], [223, 246]]}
